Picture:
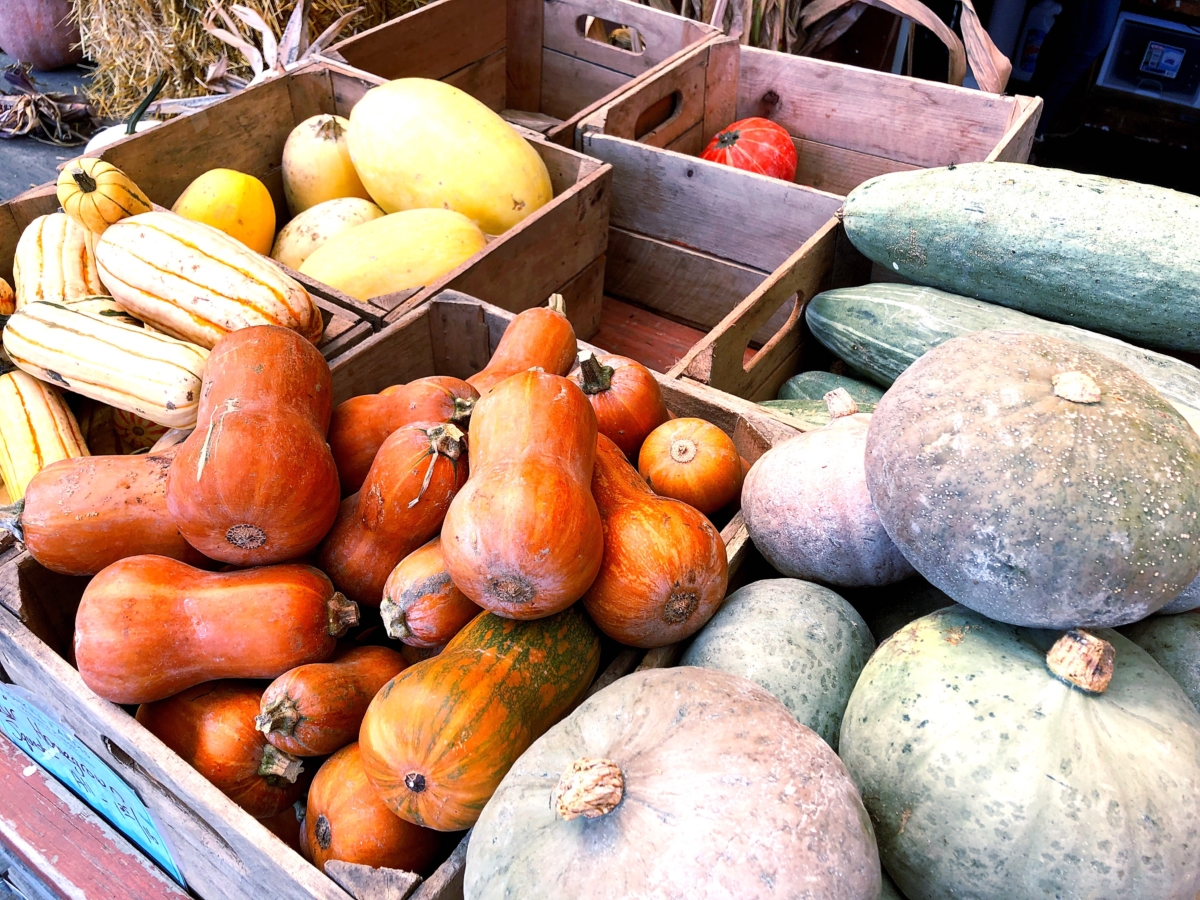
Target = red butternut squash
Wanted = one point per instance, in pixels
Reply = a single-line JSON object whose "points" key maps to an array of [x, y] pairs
{"points": [[346, 820], [422, 607], [665, 570], [149, 627], [693, 461], [401, 505], [439, 736], [360, 425], [80, 515], [523, 539], [255, 483], [211, 726], [536, 338], [316, 709], [626, 397]]}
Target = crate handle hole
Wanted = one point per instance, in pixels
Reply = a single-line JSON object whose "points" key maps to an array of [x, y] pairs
{"points": [[658, 114], [624, 38]]}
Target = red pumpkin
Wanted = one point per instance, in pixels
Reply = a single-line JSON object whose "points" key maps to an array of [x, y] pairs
{"points": [[755, 145]]}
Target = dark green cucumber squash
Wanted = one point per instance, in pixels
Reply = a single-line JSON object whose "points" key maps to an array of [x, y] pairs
{"points": [[1037, 481], [808, 414], [987, 777], [1174, 642], [815, 385], [1091, 251], [882, 329]]}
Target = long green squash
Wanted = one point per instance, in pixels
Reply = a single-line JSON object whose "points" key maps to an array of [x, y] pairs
{"points": [[882, 329], [1092, 251]]}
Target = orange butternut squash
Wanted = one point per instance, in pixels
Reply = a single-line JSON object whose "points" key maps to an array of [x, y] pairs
{"points": [[626, 397], [540, 337], [693, 461], [439, 737], [360, 425], [346, 820], [82, 514], [211, 726], [422, 607], [523, 539], [149, 627], [255, 483], [316, 709], [401, 505]]}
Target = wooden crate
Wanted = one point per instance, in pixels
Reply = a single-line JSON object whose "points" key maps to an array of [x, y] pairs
{"points": [[546, 252], [848, 125], [531, 60], [346, 324], [222, 851]]}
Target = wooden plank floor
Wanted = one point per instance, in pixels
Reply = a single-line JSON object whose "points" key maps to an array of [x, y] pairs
{"points": [[656, 342], [72, 851]]}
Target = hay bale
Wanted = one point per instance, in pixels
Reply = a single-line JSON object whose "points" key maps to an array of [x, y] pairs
{"points": [[132, 41]]}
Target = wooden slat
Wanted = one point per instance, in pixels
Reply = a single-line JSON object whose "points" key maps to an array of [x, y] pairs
{"points": [[431, 42], [67, 845], [399, 353], [746, 218], [662, 34], [368, 883], [583, 299], [720, 87], [691, 142], [484, 80], [569, 84], [524, 54], [640, 334], [1018, 140], [905, 119], [447, 882], [838, 170], [311, 94]]}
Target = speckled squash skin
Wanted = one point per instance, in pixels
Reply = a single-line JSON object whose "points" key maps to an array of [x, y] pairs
{"points": [[815, 385], [439, 736], [988, 778], [809, 513], [1174, 642], [1188, 599], [800, 641], [1027, 238], [1031, 508], [711, 807]]}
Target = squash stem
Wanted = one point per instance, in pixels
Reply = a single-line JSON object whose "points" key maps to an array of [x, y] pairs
{"points": [[10, 519], [279, 765], [683, 450], [1083, 660], [840, 403], [597, 377], [590, 788], [395, 622], [343, 614], [463, 407], [280, 717], [86, 182]]}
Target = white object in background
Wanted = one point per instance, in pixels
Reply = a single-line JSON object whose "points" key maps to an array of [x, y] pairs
{"points": [[114, 133], [1004, 25], [1037, 23]]}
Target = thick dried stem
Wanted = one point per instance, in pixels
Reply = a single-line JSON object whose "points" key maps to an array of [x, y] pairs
{"points": [[597, 377], [10, 519], [1078, 387], [343, 614], [280, 717], [840, 403], [590, 788], [463, 407], [330, 130], [395, 622], [86, 182], [279, 765], [1083, 660], [557, 303]]}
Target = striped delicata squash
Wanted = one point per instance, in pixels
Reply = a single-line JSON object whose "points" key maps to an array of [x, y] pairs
{"points": [[153, 375], [55, 261], [196, 283], [36, 429]]}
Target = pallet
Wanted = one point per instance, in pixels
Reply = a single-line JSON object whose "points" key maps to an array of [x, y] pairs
{"points": [[534, 61], [848, 125], [222, 851]]}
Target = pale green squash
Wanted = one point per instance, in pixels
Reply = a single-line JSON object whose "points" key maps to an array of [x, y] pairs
{"points": [[1174, 642]]}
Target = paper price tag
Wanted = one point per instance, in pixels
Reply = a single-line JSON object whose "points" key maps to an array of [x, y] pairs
{"points": [[69, 760]]}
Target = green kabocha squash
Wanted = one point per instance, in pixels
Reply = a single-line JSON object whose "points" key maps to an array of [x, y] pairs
{"points": [[815, 385], [800, 641], [1174, 642], [1037, 481], [675, 783], [1096, 252], [990, 777]]}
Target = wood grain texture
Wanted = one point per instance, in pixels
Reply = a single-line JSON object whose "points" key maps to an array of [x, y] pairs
{"points": [[1018, 140], [447, 882], [524, 53], [68, 846], [640, 334], [720, 87], [684, 79], [570, 84], [740, 216], [484, 79], [367, 883], [662, 34], [837, 170]]}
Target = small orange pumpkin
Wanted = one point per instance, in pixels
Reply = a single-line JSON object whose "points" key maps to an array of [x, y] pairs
{"points": [[421, 605], [693, 461], [626, 397]]}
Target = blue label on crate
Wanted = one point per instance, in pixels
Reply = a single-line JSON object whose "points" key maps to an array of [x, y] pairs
{"points": [[65, 757]]}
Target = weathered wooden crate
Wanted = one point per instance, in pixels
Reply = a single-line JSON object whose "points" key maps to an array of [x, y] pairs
{"points": [[548, 251], [222, 851], [346, 324], [541, 63], [848, 125]]}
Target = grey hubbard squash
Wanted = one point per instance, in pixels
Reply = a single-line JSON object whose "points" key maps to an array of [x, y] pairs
{"points": [[662, 786], [815, 385], [800, 641], [808, 511], [1174, 642], [1037, 481], [1188, 599], [996, 764]]}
